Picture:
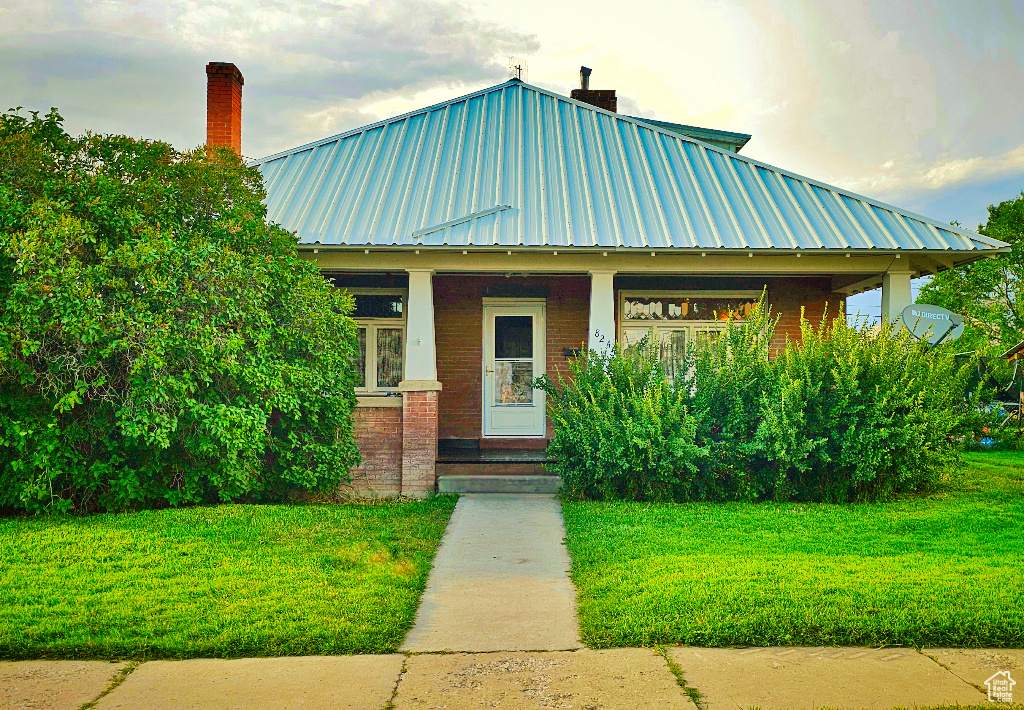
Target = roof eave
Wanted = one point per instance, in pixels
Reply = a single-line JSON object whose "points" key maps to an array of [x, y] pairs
{"points": [[967, 254]]}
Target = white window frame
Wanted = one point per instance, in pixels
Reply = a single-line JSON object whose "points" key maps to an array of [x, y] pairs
{"points": [[660, 326], [371, 325]]}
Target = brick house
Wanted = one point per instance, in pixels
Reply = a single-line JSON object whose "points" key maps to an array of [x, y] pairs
{"points": [[487, 238]]}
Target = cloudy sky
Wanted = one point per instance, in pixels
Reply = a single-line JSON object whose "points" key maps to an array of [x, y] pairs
{"points": [[917, 103]]}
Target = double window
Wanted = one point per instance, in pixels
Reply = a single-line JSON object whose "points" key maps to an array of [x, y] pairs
{"points": [[380, 358], [679, 317]]}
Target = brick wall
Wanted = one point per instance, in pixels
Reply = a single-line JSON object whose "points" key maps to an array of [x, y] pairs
{"points": [[398, 445], [568, 318], [458, 336], [378, 432], [458, 313], [419, 442]]}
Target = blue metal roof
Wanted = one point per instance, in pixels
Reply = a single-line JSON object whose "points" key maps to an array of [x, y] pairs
{"points": [[516, 166]]}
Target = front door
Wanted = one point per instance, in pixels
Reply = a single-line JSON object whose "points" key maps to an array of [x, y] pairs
{"points": [[513, 356]]}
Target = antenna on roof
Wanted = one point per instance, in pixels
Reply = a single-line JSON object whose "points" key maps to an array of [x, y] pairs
{"points": [[518, 69]]}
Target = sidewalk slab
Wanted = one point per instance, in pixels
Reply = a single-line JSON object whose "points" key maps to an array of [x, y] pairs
{"points": [[53, 685], [790, 678], [500, 580], [618, 679], [976, 665], [296, 683]]}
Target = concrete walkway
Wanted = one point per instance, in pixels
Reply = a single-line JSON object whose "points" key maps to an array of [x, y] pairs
{"points": [[626, 678], [500, 580]]}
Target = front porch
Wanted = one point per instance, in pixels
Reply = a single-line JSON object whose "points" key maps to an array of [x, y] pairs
{"points": [[447, 356]]}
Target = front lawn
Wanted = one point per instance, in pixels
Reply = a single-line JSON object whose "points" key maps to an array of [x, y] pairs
{"points": [[947, 570], [230, 580]]}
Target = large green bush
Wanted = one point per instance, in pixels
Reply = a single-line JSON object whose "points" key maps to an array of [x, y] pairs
{"points": [[853, 414], [844, 414], [160, 343], [622, 432]]}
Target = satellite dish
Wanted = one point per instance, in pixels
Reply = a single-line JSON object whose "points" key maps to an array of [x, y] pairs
{"points": [[933, 324]]}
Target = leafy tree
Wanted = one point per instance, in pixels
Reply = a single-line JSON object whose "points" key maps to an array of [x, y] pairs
{"points": [[989, 293], [160, 342]]}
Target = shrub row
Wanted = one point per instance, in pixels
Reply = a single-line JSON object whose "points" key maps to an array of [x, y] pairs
{"points": [[844, 414]]}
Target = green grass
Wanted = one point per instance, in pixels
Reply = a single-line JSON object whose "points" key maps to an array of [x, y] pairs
{"points": [[223, 581], [946, 569]]}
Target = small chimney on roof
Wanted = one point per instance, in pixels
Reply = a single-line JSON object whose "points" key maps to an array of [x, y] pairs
{"points": [[585, 78], [602, 98], [224, 106]]}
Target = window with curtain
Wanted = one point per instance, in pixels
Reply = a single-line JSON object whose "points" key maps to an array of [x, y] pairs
{"points": [[379, 360]]}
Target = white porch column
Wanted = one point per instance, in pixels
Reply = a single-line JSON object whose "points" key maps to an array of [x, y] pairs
{"points": [[895, 294], [602, 311], [420, 389], [420, 353]]}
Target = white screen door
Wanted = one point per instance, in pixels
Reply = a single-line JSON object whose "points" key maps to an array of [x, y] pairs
{"points": [[514, 338]]}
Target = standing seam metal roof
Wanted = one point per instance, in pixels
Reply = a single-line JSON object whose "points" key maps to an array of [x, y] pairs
{"points": [[518, 166]]}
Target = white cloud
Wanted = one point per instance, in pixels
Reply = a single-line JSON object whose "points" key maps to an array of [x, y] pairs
{"points": [[396, 104], [888, 97], [895, 181], [310, 65]]}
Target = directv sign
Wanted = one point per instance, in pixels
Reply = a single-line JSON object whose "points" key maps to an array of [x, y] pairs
{"points": [[933, 324]]}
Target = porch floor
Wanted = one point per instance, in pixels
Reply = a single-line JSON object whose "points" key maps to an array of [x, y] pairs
{"points": [[462, 453]]}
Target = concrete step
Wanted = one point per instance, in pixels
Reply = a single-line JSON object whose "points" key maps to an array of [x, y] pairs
{"points": [[498, 484]]}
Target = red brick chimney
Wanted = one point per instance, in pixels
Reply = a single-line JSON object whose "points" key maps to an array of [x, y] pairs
{"points": [[602, 98], [224, 106]]}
